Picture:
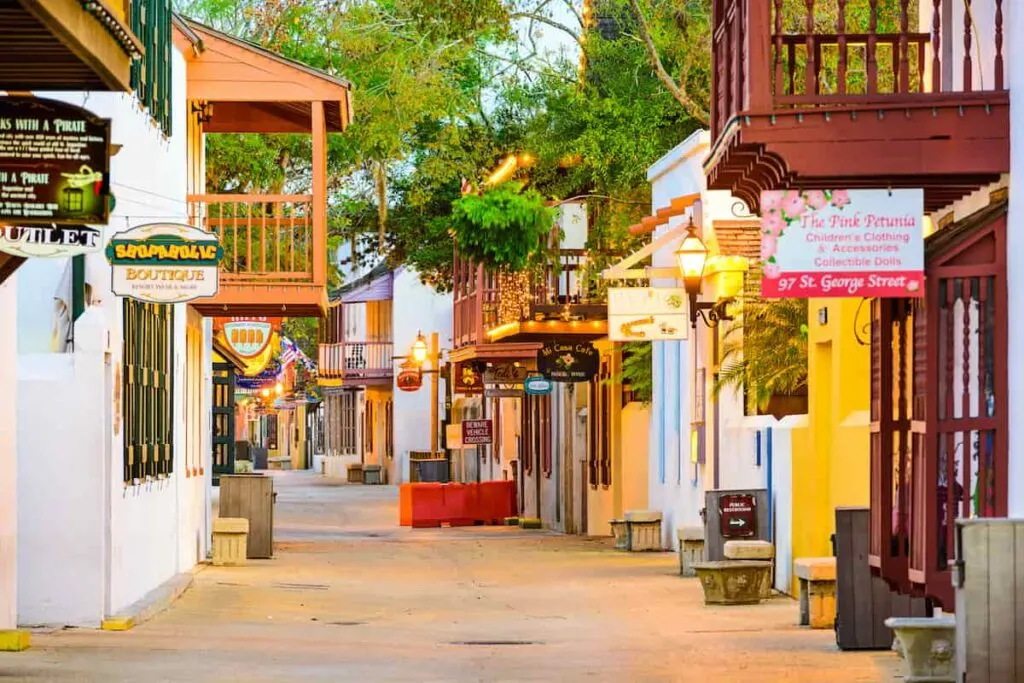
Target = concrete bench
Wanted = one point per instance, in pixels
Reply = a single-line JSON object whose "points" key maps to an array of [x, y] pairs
{"points": [[751, 551], [928, 645], [281, 462], [817, 578], [230, 541], [691, 548], [734, 582], [643, 530]]}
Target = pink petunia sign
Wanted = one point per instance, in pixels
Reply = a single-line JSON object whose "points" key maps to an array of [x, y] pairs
{"points": [[842, 243]]}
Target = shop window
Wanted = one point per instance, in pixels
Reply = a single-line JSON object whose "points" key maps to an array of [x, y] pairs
{"points": [[148, 390]]}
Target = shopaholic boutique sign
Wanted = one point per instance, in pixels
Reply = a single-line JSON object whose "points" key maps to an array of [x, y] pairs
{"points": [[247, 337], [50, 241], [568, 361], [164, 263], [842, 243], [54, 163]]}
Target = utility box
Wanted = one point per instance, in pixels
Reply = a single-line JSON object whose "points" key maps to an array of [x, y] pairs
{"points": [[741, 515], [989, 582], [251, 497]]}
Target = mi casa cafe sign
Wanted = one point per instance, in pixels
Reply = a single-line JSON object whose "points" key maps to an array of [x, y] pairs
{"points": [[54, 163], [568, 362], [50, 241], [247, 337], [164, 263]]}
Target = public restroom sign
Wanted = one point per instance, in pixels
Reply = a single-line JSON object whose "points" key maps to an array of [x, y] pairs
{"points": [[54, 163], [50, 241], [164, 263], [842, 243]]}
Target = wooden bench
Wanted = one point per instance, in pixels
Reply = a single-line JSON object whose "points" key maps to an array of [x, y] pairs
{"points": [[734, 582], [817, 577]]}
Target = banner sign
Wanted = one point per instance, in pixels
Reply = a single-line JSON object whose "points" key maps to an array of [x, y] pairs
{"points": [[477, 433], [568, 361], [842, 243], [164, 263], [50, 241], [409, 380], [247, 337], [647, 314], [537, 385], [467, 379], [54, 163]]}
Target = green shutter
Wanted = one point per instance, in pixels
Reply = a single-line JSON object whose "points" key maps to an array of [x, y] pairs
{"points": [[148, 390]]}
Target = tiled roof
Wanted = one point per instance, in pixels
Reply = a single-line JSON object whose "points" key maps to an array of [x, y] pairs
{"points": [[739, 238]]}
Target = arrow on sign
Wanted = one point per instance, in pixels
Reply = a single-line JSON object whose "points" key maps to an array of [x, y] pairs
{"points": [[736, 522]]}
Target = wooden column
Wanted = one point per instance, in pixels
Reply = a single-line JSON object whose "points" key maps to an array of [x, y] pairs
{"points": [[319, 194]]}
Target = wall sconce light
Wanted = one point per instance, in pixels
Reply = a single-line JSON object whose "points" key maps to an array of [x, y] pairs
{"points": [[823, 316], [692, 256], [203, 111]]}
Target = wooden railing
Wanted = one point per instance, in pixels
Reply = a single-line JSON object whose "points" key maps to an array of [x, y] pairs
{"points": [[357, 360], [267, 239], [761, 64], [486, 299]]}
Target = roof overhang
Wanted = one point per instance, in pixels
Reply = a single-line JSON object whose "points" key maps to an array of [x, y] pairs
{"points": [[496, 352], [65, 45], [548, 330], [254, 90]]}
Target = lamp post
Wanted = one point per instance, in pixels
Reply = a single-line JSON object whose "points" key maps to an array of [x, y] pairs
{"points": [[692, 256], [422, 354]]}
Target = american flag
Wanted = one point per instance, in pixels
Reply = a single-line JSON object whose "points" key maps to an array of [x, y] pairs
{"points": [[289, 352]]}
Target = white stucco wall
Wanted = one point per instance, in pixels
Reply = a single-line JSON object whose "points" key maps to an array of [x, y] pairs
{"points": [[8, 457], [416, 308], [128, 538]]}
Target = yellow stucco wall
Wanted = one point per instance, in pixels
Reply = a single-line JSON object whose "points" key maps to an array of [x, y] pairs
{"points": [[831, 460]]}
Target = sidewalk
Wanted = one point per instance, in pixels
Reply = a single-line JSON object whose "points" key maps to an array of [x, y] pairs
{"points": [[352, 597]]}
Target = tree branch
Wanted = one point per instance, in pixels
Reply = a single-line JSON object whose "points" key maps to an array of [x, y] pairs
{"points": [[549, 21], [676, 89]]}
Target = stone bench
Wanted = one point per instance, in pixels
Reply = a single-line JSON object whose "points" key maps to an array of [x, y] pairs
{"points": [[817, 579], [748, 551], [281, 462], [619, 534], [691, 548], [734, 582], [928, 645], [230, 541], [643, 530]]}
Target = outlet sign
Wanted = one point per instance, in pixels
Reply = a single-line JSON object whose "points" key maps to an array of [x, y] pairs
{"points": [[50, 241]]}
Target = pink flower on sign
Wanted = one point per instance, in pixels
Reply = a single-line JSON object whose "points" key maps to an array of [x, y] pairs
{"points": [[769, 246], [772, 223], [771, 201], [816, 199], [793, 204], [772, 271], [840, 198]]}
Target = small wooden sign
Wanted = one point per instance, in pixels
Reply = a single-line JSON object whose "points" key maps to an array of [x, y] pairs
{"points": [[568, 361], [507, 373], [477, 432], [467, 379], [409, 380]]}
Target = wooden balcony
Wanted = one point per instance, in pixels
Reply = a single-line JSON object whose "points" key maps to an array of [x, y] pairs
{"points": [[529, 307], [275, 260], [801, 100], [357, 363]]}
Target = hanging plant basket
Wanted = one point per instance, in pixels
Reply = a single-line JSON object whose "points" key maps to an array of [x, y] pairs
{"points": [[503, 228]]}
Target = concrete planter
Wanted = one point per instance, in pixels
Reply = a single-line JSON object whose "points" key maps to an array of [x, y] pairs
{"points": [[620, 535], [734, 582], [928, 647], [691, 548]]}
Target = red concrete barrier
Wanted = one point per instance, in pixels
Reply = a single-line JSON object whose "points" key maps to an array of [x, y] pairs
{"points": [[459, 504], [497, 501], [427, 503]]}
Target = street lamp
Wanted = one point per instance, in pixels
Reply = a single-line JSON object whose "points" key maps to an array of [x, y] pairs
{"points": [[419, 349], [692, 256], [278, 389]]}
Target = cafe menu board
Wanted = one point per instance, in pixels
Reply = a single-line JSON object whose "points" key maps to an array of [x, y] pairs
{"points": [[54, 163]]}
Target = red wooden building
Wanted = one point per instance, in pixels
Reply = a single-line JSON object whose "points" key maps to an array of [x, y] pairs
{"points": [[810, 99]]}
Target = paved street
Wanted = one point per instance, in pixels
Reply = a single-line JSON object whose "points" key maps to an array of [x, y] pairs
{"points": [[352, 597]]}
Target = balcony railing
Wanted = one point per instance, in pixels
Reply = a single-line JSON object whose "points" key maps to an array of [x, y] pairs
{"points": [[777, 55], [485, 299], [267, 239], [357, 360]]}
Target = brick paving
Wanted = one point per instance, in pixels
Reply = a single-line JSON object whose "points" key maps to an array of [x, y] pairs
{"points": [[352, 597]]}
